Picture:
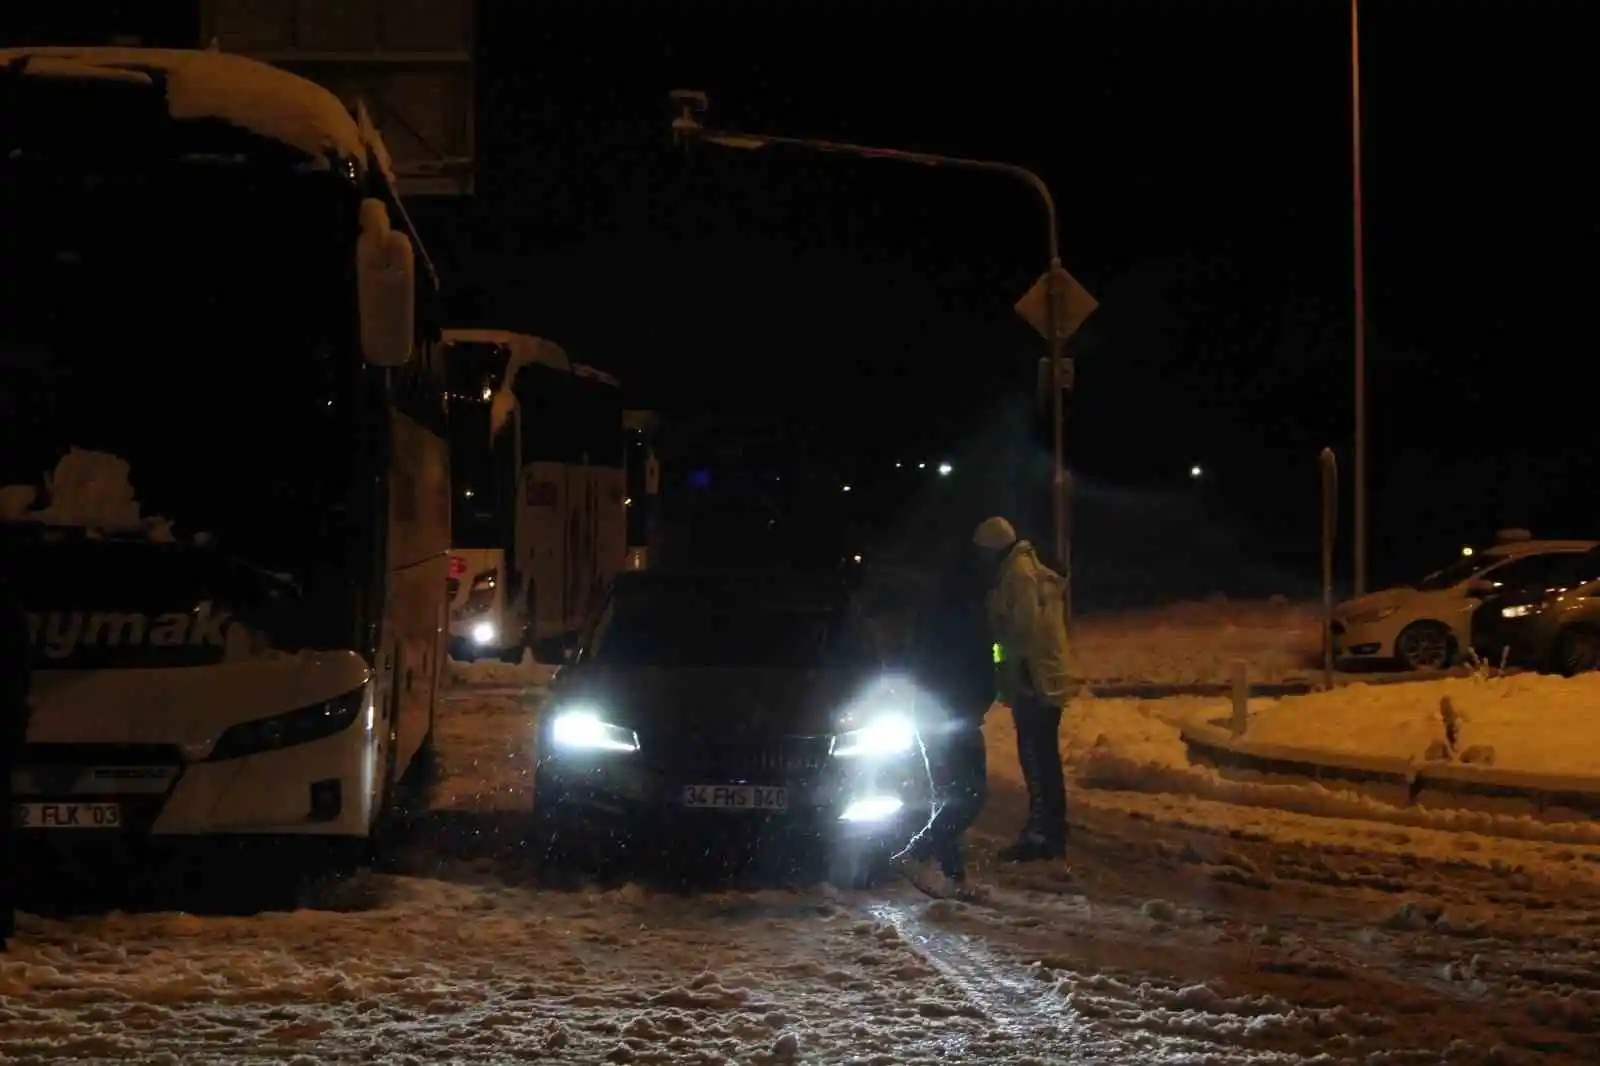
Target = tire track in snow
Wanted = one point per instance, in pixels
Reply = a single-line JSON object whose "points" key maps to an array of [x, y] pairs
{"points": [[1008, 996]]}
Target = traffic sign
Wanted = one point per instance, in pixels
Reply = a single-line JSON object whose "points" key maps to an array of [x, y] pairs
{"points": [[1047, 377], [1074, 304]]}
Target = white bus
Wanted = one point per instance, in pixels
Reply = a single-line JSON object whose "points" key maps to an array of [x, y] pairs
{"points": [[224, 476], [641, 485], [539, 508]]}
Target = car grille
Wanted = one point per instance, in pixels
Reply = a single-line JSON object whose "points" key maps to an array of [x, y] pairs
{"points": [[718, 760], [139, 777]]}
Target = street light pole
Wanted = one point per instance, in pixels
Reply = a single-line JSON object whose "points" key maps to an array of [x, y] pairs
{"points": [[686, 126], [1360, 473]]}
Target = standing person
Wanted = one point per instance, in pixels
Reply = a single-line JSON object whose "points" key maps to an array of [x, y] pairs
{"points": [[952, 663], [1026, 609], [13, 731]]}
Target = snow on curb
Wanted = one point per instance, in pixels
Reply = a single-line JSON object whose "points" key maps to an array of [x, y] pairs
{"points": [[1107, 768], [1520, 803]]}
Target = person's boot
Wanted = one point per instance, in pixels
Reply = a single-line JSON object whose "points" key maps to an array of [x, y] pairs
{"points": [[1033, 846], [953, 862]]}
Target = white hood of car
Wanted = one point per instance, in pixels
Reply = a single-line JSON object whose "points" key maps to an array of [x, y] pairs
{"points": [[1381, 600]]}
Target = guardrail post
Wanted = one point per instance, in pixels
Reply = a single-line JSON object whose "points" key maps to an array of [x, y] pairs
{"points": [[1241, 697]]}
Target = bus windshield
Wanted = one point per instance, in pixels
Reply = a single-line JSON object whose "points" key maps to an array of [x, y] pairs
{"points": [[483, 472], [195, 317]]}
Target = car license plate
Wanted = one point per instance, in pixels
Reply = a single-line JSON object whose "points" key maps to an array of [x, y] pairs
{"points": [[69, 815], [736, 797]]}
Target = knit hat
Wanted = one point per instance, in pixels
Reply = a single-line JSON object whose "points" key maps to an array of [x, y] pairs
{"points": [[994, 534]]}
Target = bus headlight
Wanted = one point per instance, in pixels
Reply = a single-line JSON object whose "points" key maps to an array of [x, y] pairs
{"points": [[484, 633], [581, 729], [884, 736], [301, 726]]}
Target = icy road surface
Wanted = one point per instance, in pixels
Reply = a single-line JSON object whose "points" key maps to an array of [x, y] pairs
{"points": [[1163, 940]]}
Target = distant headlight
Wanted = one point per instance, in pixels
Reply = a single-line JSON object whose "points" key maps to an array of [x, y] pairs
{"points": [[889, 734], [1517, 610], [581, 729], [1366, 618]]}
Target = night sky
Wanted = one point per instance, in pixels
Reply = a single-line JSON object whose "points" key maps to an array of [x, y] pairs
{"points": [[1200, 155]]}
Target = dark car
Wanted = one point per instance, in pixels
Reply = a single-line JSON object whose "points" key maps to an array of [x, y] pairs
{"points": [[724, 707], [1552, 624]]}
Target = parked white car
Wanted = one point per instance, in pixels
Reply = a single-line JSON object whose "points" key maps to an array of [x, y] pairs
{"points": [[1425, 626]]}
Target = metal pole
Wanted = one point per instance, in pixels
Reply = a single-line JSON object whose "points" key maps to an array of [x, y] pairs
{"points": [[1060, 484], [1058, 476], [1360, 472], [1330, 528], [688, 126]]}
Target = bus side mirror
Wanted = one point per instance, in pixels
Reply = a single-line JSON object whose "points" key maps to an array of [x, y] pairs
{"points": [[385, 288]]}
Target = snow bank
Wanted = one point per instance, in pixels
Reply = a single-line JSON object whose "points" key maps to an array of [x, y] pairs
{"points": [[89, 489], [1137, 746], [494, 672], [237, 90], [1190, 643], [1527, 722]]}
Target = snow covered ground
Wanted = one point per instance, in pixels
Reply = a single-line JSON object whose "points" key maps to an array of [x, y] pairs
{"points": [[1182, 928], [1198, 642]]}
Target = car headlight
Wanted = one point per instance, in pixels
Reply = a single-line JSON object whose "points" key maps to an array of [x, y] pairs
{"points": [[1368, 617], [1516, 610], [581, 729], [889, 734], [300, 726], [483, 633]]}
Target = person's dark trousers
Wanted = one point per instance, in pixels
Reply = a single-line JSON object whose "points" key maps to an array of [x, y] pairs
{"points": [[961, 777], [1039, 751]]}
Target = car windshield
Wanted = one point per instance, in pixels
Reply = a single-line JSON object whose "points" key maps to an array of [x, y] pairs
{"points": [[193, 317], [1461, 570], [698, 624]]}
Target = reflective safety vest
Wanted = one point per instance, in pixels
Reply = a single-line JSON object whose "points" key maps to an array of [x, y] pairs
{"points": [[999, 653]]}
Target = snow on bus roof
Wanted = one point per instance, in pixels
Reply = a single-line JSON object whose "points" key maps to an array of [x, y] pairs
{"points": [[524, 349], [584, 370], [244, 92]]}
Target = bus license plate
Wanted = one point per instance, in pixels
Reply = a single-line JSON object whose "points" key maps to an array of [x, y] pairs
{"points": [[69, 815], [736, 797]]}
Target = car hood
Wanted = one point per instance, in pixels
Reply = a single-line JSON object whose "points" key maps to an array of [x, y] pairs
{"points": [[1378, 601], [733, 703]]}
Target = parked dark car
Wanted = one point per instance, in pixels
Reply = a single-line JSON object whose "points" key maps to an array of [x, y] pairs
{"points": [[731, 707], [1552, 625]]}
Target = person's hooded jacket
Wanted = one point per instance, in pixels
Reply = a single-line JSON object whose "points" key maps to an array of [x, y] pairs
{"points": [[1026, 607]]}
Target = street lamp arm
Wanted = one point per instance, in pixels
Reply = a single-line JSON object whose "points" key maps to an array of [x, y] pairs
{"points": [[751, 141]]}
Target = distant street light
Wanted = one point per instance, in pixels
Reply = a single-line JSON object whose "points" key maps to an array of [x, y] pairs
{"points": [[944, 469], [1195, 472], [1064, 299]]}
